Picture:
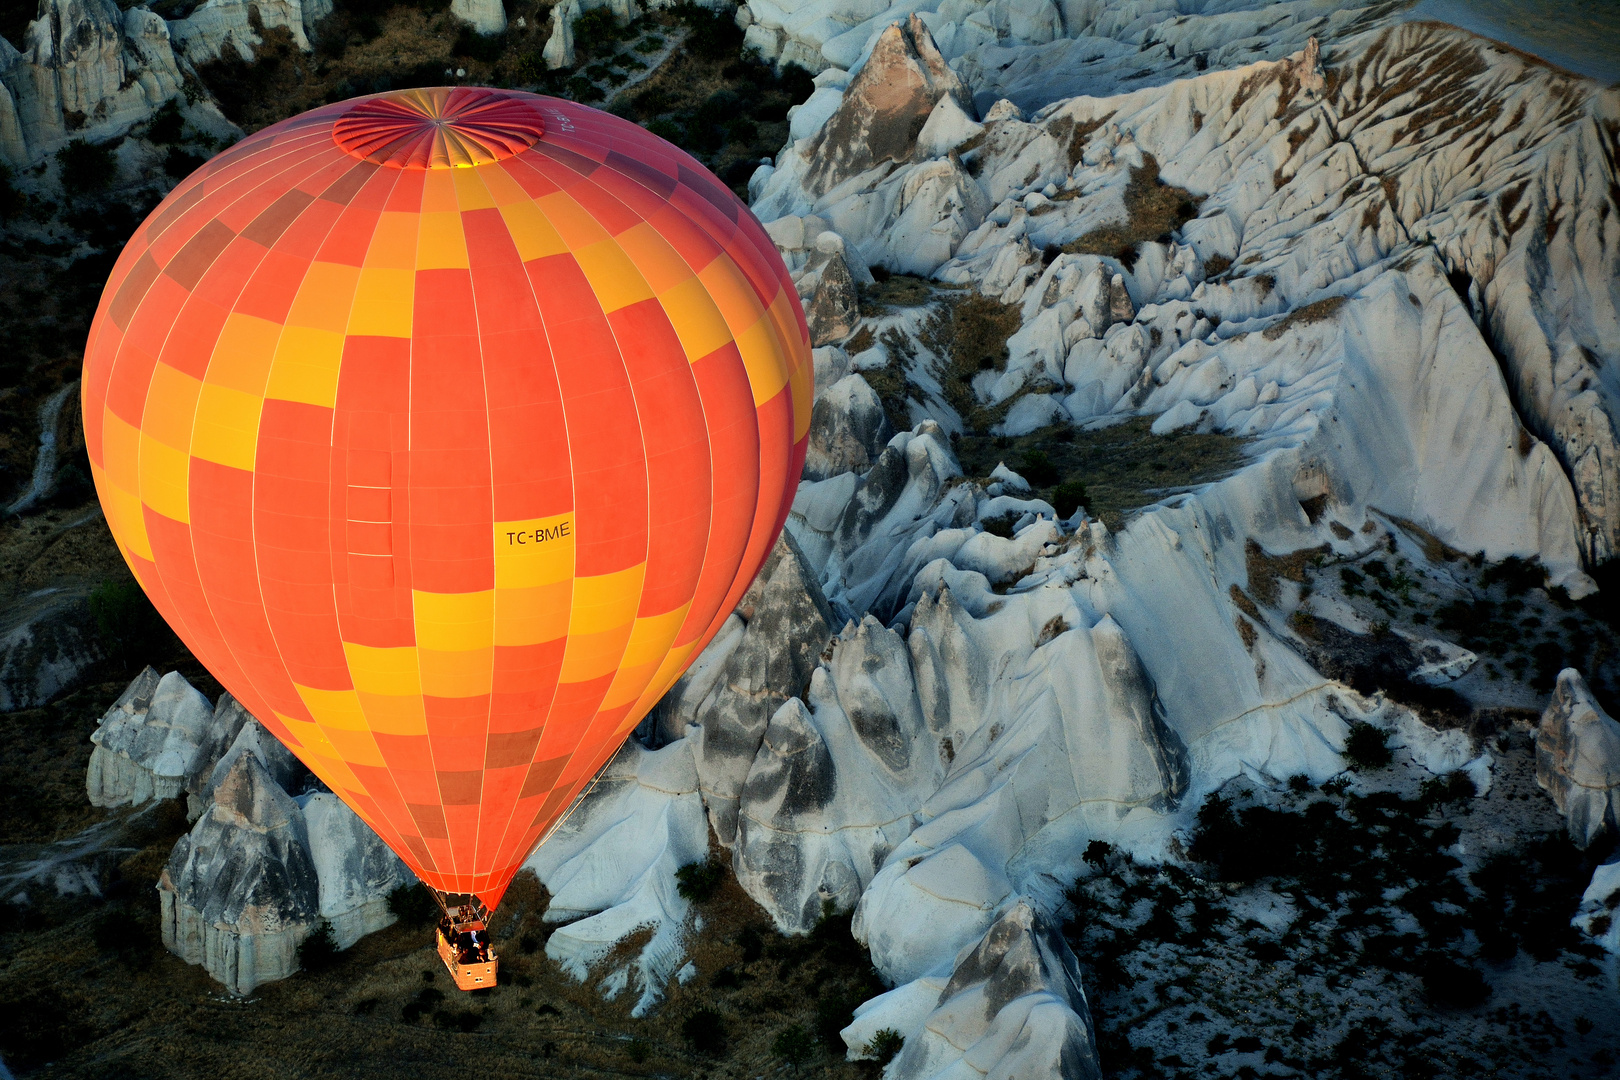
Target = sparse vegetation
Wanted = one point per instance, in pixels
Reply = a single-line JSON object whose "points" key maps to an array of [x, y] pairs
{"points": [[1153, 211], [87, 167], [1111, 471]]}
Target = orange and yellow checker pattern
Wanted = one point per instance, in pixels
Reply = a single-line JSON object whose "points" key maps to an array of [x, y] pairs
{"points": [[448, 473]]}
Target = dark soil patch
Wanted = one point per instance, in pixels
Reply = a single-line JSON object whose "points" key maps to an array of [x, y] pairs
{"points": [[387, 1006], [1122, 468]]}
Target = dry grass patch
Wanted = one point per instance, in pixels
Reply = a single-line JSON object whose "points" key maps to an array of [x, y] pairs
{"points": [[1153, 211], [1120, 468], [971, 333], [1320, 311], [1266, 571]]}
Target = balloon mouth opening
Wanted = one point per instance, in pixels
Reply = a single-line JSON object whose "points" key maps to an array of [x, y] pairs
{"points": [[440, 127]]}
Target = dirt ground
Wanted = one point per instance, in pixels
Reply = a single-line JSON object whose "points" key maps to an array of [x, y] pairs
{"points": [[134, 1011]]}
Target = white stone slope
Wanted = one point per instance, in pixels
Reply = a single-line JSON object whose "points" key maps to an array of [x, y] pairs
{"points": [[87, 69], [1068, 683], [1035, 51], [611, 866], [1302, 189]]}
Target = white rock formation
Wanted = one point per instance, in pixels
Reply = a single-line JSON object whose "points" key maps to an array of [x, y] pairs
{"points": [[240, 891], [559, 50], [616, 856], [251, 738], [1599, 913], [88, 70], [354, 870], [217, 25], [834, 786], [848, 429], [151, 740], [1012, 1006], [884, 107], [484, 16], [1578, 760], [785, 627]]}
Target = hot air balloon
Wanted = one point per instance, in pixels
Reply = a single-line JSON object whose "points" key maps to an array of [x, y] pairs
{"points": [[445, 427]]}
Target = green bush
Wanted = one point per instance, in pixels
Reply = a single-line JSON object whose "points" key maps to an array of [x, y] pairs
{"points": [[126, 622], [166, 125], [319, 952], [1038, 469], [697, 881], [1367, 747], [714, 34], [885, 1044], [180, 164], [705, 1031], [1455, 787], [1068, 497], [793, 1045], [413, 905], [596, 31], [473, 45], [87, 167]]}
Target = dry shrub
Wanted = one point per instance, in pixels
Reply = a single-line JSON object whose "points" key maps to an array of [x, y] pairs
{"points": [[1321, 311], [1266, 570]]}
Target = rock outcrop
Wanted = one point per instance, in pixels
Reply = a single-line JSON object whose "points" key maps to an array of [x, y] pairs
{"points": [[216, 26], [47, 642], [1599, 913], [354, 870], [614, 860], [240, 891], [1578, 760], [786, 625], [836, 781], [484, 16], [832, 306], [1013, 1007], [86, 70], [559, 50], [848, 429], [884, 108], [155, 736]]}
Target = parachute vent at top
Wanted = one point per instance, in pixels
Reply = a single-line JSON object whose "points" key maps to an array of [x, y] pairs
{"points": [[446, 427]]}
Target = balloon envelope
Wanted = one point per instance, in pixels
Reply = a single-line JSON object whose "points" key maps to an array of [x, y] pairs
{"points": [[446, 427]]}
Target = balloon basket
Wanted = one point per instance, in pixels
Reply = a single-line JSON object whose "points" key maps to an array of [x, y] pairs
{"points": [[463, 941], [467, 976]]}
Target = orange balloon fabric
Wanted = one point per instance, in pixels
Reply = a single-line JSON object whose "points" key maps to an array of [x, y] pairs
{"points": [[446, 427]]}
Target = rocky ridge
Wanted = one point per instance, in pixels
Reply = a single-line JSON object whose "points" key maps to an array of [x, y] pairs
{"points": [[1293, 252]]}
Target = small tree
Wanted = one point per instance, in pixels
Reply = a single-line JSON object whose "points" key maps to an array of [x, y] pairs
{"points": [[698, 881], [885, 1044], [319, 952], [793, 1045], [1367, 747], [86, 167]]}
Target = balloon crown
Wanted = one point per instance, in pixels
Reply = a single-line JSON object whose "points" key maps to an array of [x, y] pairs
{"points": [[439, 127]]}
